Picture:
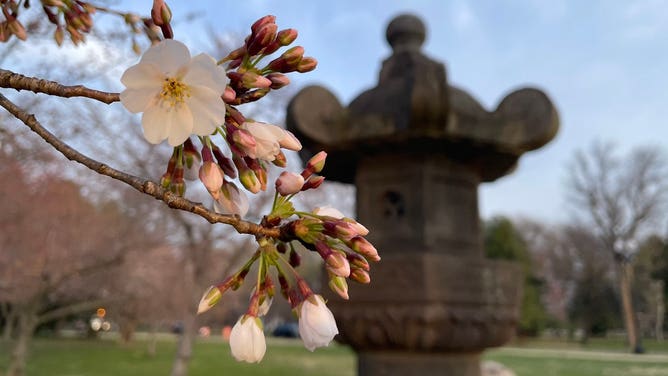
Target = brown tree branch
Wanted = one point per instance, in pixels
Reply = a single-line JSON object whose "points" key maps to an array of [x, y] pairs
{"points": [[142, 185], [11, 80]]}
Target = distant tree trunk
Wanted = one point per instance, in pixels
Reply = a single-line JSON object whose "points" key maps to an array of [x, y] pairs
{"points": [[128, 330], [27, 322], [185, 344], [625, 278], [184, 347], [152, 339], [10, 323]]}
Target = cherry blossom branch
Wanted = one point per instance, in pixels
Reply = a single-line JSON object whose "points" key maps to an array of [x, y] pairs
{"points": [[11, 80], [142, 185]]}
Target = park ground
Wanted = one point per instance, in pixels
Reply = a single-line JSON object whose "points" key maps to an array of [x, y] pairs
{"points": [[106, 357]]}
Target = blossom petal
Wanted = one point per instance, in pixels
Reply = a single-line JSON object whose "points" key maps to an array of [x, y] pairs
{"points": [[181, 126], [143, 75], [156, 122], [203, 71], [169, 55], [137, 100], [207, 108]]}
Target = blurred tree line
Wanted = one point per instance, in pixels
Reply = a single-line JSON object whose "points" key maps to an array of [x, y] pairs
{"points": [[569, 279]]}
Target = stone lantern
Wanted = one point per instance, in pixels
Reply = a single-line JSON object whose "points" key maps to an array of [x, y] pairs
{"points": [[416, 149]]}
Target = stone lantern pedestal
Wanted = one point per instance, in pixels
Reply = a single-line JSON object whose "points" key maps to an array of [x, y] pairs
{"points": [[417, 148]]}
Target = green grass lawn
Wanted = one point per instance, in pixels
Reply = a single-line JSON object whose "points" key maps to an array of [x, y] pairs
{"points": [[73, 357]]}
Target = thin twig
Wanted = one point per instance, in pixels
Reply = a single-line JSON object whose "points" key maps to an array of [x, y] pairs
{"points": [[142, 185], [11, 80]]}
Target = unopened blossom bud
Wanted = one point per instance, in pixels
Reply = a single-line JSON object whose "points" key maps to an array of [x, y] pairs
{"points": [[17, 29], [250, 181], [224, 163], [358, 262], [290, 142], [210, 298], [339, 286], [260, 171], [286, 36], [316, 163], [364, 248], [266, 20], [278, 80], [307, 64], [280, 160], [231, 201], [247, 341], [59, 35], [262, 39], [294, 55], [313, 182], [339, 229], [236, 54], [5, 34], [235, 63], [317, 326], [360, 275], [212, 177], [359, 228], [229, 95], [328, 211], [160, 13], [336, 261], [244, 141], [253, 80], [289, 183]]}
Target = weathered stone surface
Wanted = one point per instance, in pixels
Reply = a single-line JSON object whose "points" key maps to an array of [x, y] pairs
{"points": [[417, 149]]}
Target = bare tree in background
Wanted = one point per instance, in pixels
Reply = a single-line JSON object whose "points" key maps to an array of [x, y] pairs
{"points": [[620, 198]]}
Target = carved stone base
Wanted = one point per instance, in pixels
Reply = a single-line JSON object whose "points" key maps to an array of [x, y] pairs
{"points": [[390, 363]]}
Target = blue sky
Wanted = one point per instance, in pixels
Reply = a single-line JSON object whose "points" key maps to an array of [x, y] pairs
{"points": [[602, 62]]}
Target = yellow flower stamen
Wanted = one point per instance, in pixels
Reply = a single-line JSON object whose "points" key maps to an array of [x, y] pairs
{"points": [[174, 91]]}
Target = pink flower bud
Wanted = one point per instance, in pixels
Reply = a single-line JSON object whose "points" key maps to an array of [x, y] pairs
{"points": [[359, 275], [212, 177], [250, 181], [280, 160], [338, 264], [290, 142], [339, 286], [229, 95], [253, 80], [313, 182], [307, 64], [328, 211], [287, 36], [244, 140], [317, 162], [289, 183], [359, 228], [278, 80], [262, 39], [364, 248], [266, 20]]}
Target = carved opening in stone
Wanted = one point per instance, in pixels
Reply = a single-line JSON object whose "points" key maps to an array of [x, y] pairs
{"points": [[393, 205]]}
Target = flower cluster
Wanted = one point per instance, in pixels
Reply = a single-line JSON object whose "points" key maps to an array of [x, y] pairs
{"points": [[182, 96], [338, 240]]}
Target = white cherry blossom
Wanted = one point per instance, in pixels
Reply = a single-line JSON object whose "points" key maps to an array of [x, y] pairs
{"points": [[317, 326], [178, 95], [247, 341]]}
